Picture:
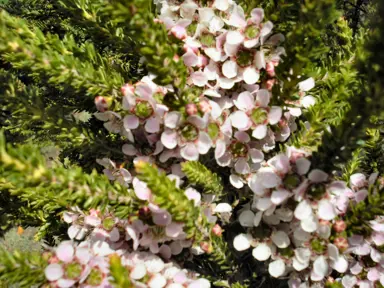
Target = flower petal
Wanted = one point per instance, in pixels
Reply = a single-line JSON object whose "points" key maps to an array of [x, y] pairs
{"points": [[276, 268], [204, 143], [260, 132], [251, 75], [239, 119], [199, 78], [302, 166], [229, 69], [242, 242], [190, 152], [246, 218], [234, 37], [307, 84], [256, 155], [317, 176], [326, 210], [279, 196], [53, 272], [236, 181], [169, 138], [262, 252], [274, 115], [245, 101], [172, 119], [320, 266], [281, 239], [131, 122], [303, 210], [242, 166], [65, 251], [152, 125]]}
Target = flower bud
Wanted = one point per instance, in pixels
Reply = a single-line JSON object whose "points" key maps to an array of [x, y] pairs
{"points": [[205, 106], [270, 69], [270, 83], [341, 243], [206, 247], [339, 226], [191, 109], [102, 103], [179, 32], [217, 230], [128, 89]]}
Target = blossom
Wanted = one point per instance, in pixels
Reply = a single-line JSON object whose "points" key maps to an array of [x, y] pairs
{"points": [[255, 113], [188, 134]]}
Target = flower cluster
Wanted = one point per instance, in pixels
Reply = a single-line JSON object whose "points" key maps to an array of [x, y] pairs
{"points": [[88, 265], [231, 60], [296, 222]]}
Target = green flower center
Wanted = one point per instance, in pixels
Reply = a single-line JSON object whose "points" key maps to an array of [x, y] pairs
{"points": [[73, 270], [95, 277], [157, 232], [143, 110], [108, 223], [286, 252], [158, 97], [316, 190], [367, 260], [213, 131], [244, 58], [333, 285], [238, 149], [189, 132], [291, 181], [259, 116], [261, 232], [317, 246], [191, 29], [208, 40], [251, 31]]}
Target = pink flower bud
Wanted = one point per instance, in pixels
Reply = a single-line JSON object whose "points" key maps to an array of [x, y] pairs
{"points": [[94, 212], [217, 230], [330, 280], [341, 243], [339, 226], [188, 48], [205, 106], [270, 83], [127, 89], [101, 104], [323, 222], [206, 247], [176, 58], [179, 32], [202, 62], [191, 109], [270, 69]]}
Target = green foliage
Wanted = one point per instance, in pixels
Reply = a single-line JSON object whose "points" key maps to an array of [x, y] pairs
{"points": [[173, 199], [374, 152], [119, 273], [56, 60], [137, 21], [25, 270], [313, 18], [361, 213], [200, 175], [22, 170]]}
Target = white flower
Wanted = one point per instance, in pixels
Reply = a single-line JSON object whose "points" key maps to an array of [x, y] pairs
{"points": [[242, 242]]}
